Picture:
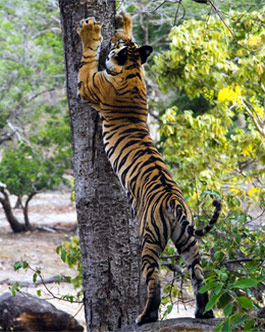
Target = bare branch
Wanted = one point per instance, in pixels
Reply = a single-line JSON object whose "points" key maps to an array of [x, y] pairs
{"points": [[177, 12], [240, 260], [164, 2], [173, 267]]}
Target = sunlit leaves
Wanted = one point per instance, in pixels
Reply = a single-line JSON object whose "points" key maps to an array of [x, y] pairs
{"points": [[70, 253], [206, 58], [218, 149]]}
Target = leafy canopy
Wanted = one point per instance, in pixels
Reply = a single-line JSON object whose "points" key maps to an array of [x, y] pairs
{"points": [[216, 149], [31, 63], [34, 125]]}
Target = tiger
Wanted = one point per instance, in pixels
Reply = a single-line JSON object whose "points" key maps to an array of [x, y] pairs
{"points": [[119, 94]]}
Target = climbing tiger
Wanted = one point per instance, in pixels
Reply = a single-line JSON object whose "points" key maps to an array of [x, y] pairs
{"points": [[119, 94]]}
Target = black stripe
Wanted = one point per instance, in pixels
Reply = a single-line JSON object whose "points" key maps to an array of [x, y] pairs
{"points": [[133, 76], [192, 244]]}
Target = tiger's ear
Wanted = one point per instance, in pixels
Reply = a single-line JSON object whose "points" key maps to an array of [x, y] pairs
{"points": [[145, 51], [121, 57]]}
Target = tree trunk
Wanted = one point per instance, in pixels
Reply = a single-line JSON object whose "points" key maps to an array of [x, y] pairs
{"points": [[15, 225], [113, 295], [26, 210]]}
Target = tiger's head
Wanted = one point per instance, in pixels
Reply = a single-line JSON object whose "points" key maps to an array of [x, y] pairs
{"points": [[125, 54]]}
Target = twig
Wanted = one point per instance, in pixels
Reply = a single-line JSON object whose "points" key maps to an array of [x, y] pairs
{"points": [[228, 28], [173, 267], [256, 122], [81, 307], [50, 292], [177, 11], [42, 281], [48, 280], [240, 260], [162, 3]]}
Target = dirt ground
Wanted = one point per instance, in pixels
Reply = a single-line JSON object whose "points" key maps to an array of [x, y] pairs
{"points": [[38, 248]]}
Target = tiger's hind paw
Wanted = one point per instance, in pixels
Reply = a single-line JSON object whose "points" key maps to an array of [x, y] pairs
{"points": [[147, 318], [207, 315]]}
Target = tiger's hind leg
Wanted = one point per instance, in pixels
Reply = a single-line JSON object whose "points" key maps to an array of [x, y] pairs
{"points": [[188, 249], [151, 251]]}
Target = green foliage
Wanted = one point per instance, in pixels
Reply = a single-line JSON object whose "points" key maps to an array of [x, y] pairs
{"points": [[219, 151], [210, 152], [70, 254], [206, 60], [235, 274], [34, 126], [71, 258], [31, 58], [39, 163]]}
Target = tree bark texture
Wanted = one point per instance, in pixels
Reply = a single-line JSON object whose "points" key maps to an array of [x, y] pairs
{"points": [[186, 324], [113, 294]]}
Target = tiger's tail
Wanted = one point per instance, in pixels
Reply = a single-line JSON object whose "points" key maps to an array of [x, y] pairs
{"points": [[201, 232]]}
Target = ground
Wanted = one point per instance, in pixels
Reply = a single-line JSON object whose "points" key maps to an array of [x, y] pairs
{"points": [[38, 248]]}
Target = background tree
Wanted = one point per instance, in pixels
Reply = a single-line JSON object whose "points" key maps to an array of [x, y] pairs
{"points": [[28, 168], [34, 129], [108, 235], [31, 67]]}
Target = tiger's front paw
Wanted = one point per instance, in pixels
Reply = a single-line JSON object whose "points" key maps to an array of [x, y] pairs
{"points": [[90, 33]]}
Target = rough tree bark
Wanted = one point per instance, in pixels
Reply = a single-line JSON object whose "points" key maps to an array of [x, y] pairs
{"points": [[113, 295]]}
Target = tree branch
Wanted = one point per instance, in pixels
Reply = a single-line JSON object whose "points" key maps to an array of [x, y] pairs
{"points": [[255, 120]]}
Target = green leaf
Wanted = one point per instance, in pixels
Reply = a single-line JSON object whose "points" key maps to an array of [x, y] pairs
{"points": [[218, 288], [211, 303], [245, 302], [245, 283], [227, 326], [218, 255], [228, 309], [39, 292], [59, 279], [25, 265], [63, 255], [34, 277], [67, 279], [218, 327], [240, 320], [58, 249], [169, 308], [212, 193], [248, 325], [18, 265], [14, 288], [207, 287]]}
